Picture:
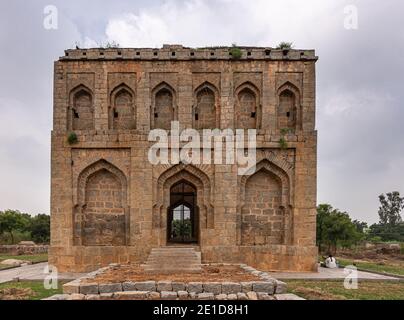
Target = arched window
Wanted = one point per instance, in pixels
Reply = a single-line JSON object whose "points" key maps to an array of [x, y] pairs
{"points": [[246, 110], [81, 109], [100, 216], [205, 114], [262, 216], [164, 109], [287, 112], [122, 113]]}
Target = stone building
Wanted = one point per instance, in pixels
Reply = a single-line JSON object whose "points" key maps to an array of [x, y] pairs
{"points": [[110, 204]]}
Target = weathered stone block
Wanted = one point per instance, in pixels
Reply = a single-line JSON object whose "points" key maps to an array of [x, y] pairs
{"points": [[129, 286], [130, 295], [232, 296], [246, 286], [281, 287], [110, 287], [242, 296], [221, 296], [231, 287], [169, 295], [206, 296], [71, 287], [183, 295], [195, 287], [145, 286], [89, 288], [264, 296], [263, 286], [178, 286], [164, 286], [212, 287], [153, 295], [252, 295]]}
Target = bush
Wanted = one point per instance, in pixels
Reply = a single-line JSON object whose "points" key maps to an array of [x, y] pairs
{"points": [[282, 143], [72, 138], [235, 52], [285, 46]]}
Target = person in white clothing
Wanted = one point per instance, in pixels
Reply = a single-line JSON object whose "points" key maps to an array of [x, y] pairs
{"points": [[330, 262]]}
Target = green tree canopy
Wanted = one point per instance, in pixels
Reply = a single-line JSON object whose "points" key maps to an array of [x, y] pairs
{"points": [[335, 228], [390, 208]]}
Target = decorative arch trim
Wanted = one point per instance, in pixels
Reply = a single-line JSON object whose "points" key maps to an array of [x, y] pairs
{"points": [[93, 169]]}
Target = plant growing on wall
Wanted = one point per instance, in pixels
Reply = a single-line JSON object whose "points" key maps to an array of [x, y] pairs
{"points": [[235, 52], [72, 138], [285, 45], [282, 141]]}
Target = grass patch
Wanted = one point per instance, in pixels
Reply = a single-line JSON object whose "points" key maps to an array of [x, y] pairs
{"points": [[27, 290], [382, 267], [334, 290], [35, 258]]}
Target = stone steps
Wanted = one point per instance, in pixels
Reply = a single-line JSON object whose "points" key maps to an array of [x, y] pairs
{"points": [[168, 260]]}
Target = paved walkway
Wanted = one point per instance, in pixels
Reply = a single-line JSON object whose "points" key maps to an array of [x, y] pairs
{"points": [[32, 272], [325, 273]]}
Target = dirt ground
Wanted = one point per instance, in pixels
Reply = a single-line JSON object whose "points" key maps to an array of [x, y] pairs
{"points": [[209, 274], [372, 256]]}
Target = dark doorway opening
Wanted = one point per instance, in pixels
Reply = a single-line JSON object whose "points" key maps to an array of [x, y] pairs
{"points": [[182, 222]]}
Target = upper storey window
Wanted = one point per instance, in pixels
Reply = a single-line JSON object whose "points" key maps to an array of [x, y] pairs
{"points": [[122, 113], [164, 107], [247, 107], [287, 111], [81, 109], [205, 113]]}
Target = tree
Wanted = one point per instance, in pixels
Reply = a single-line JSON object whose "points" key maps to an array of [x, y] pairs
{"points": [[390, 208], [11, 221], [335, 228], [39, 228], [360, 226]]}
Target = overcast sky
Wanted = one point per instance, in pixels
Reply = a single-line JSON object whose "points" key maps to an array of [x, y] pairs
{"points": [[360, 80]]}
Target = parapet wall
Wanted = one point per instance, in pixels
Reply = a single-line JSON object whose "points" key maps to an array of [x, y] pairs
{"points": [[177, 52]]}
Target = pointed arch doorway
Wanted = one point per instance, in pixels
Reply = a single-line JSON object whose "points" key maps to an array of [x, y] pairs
{"points": [[182, 216]]}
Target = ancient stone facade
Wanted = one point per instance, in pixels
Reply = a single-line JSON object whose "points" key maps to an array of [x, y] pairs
{"points": [[109, 204]]}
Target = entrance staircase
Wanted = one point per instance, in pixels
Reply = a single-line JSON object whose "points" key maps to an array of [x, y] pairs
{"points": [[169, 260]]}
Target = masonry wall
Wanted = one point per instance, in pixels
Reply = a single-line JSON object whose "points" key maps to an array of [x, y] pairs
{"points": [[109, 203]]}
